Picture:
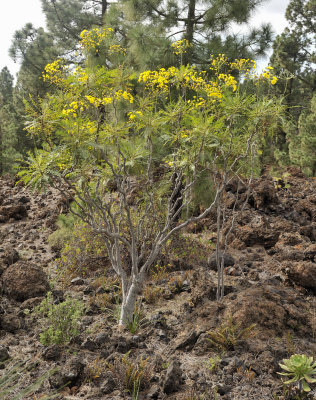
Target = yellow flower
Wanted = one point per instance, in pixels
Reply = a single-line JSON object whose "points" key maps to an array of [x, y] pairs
{"points": [[274, 80]]}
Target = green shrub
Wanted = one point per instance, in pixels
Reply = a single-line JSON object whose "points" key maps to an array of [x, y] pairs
{"points": [[61, 321], [63, 234]]}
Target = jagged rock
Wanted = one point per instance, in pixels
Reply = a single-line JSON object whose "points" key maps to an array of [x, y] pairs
{"points": [[263, 194], [228, 260], [24, 199], [153, 393], [269, 307], [108, 384], [10, 256], [70, 374], [102, 338], [51, 353], [173, 379], [4, 354], [77, 281], [303, 274], [89, 344], [15, 211], [11, 322], [23, 280]]}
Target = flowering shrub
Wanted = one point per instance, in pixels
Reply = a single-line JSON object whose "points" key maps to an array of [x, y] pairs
{"points": [[108, 131]]}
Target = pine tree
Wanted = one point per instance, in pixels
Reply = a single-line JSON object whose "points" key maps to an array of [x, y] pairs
{"points": [[8, 123], [202, 23], [66, 19], [294, 55], [302, 140], [293, 59]]}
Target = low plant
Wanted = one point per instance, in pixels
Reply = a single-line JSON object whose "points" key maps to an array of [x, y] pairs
{"points": [[152, 293], [14, 376], [299, 368], [61, 321], [64, 232], [111, 294], [213, 363], [95, 369], [130, 377], [175, 283], [160, 272], [228, 334], [246, 373], [138, 320]]}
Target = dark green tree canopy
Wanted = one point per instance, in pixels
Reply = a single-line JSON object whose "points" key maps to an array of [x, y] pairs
{"points": [[294, 52], [203, 23], [6, 86]]}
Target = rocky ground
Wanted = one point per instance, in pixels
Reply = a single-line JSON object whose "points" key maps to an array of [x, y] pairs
{"points": [[270, 281]]}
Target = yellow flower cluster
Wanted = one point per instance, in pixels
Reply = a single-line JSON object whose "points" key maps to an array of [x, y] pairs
{"points": [[123, 94], [54, 72], [229, 81], [158, 79], [92, 39], [73, 108], [80, 74], [189, 78], [116, 48], [243, 65], [267, 74], [120, 94], [134, 115], [181, 46], [218, 62]]}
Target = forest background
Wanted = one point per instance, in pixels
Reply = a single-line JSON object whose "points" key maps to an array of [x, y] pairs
{"points": [[147, 30]]}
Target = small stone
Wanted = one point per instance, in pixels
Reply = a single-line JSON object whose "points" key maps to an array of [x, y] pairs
{"points": [[102, 338], [223, 389], [77, 281], [153, 392], [87, 290], [108, 384], [89, 344], [4, 354], [51, 353]]}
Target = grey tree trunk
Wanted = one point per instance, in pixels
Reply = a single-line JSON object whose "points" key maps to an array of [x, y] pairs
{"points": [[128, 303]]}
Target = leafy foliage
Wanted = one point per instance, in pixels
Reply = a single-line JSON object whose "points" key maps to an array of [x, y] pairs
{"points": [[107, 134], [300, 369], [61, 321]]}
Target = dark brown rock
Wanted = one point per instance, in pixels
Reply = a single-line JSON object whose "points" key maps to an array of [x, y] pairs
{"points": [[11, 322], [15, 211], [70, 374], [173, 379], [24, 280], [51, 353], [263, 194], [4, 354], [303, 274], [228, 260], [10, 256]]}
